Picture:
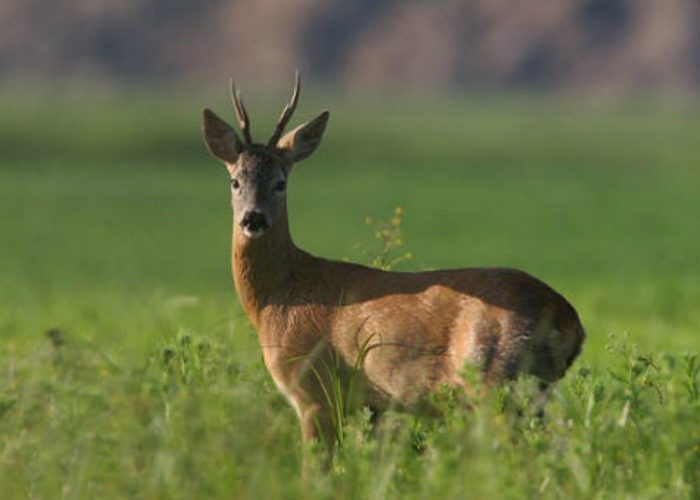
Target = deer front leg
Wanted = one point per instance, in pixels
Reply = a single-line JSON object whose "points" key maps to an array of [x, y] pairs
{"points": [[317, 427]]}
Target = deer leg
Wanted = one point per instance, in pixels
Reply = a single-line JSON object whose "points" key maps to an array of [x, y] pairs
{"points": [[317, 427], [375, 414], [544, 391]]}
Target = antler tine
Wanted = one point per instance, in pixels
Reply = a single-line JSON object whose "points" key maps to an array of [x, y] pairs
{"points": [[241, 113], [287, 112]]}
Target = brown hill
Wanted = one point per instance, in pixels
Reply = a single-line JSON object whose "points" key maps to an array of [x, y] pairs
{"points": [[371, 43]]}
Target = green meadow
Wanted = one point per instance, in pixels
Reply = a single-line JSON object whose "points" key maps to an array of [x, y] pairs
{"points": [[128, 369]]}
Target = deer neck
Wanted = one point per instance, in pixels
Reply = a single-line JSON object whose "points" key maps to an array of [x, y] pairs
{"points": [[262, 267]]}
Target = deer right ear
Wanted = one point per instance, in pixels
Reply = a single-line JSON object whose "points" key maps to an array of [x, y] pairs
{"points": [[220, 138], [299, 143]]}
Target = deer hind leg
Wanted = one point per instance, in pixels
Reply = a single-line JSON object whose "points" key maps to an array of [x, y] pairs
{"points": [[504, 365], [503, 354], [525, 347], [553, 352], [486, 349]]}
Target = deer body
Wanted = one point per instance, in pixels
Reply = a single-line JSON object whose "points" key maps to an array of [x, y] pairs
{"points": [[397, 336]]}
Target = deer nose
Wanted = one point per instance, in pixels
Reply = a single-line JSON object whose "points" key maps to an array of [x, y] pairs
{"points": [[254, 221]]}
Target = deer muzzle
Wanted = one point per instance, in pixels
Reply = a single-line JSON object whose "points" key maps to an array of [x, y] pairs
{"points": [[254, 223]]}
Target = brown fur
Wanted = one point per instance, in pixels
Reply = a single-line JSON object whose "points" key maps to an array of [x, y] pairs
{"points": [[418, 329], [397, 337]]}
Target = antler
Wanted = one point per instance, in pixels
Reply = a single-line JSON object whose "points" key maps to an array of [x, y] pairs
{"points": [[241, 114], [286, 113]]}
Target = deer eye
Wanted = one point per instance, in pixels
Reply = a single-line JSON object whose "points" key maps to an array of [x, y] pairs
{"points": [[280, 186], [235, 184]]}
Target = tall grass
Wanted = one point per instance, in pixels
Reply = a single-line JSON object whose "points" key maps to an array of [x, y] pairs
{"points": [[127, 367]]}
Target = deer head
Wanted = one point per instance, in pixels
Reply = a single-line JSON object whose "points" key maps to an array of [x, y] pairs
{"points": [[259, 172]]}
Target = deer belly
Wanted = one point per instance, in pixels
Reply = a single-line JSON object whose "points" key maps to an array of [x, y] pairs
{"points": [[412, 350], [406, 363]]}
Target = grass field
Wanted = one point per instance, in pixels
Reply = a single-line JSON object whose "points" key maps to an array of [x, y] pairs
{"points": [[128, 368]]}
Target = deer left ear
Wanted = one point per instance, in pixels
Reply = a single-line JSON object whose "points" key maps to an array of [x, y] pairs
{"points": [[220, 138], [300, 143]]}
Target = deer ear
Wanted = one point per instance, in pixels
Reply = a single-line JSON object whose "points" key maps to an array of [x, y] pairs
{"points": [[298, 144], [220, 138]]}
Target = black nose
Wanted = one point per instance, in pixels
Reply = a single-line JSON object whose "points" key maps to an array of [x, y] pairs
{"points": [[254, 221]]}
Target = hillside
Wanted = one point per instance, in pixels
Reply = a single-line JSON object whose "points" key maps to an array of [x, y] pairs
{"points": [[619, 44]]}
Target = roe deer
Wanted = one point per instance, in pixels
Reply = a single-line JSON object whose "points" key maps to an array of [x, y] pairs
{"points": [[404, 333]]}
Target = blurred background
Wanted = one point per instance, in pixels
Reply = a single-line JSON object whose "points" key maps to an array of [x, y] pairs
{"points": [[561, 137], [556, 136], [605, 45]]}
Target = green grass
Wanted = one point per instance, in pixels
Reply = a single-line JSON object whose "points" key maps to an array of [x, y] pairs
{"points": [[114, 229]]}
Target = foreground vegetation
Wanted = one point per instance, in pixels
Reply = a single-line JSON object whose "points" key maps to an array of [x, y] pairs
{"points": [[128, 368]]}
